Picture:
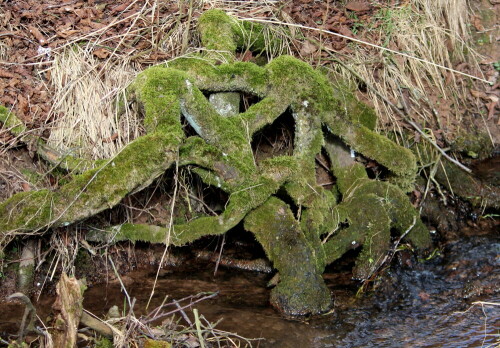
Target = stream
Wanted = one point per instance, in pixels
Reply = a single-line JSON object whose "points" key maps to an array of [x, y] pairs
{"points": [[453, 300]]}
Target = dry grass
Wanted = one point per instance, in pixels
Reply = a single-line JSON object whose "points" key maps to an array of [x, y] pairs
{"points": [[85, 96], [3, 51], [86, 88], [431, 96]]}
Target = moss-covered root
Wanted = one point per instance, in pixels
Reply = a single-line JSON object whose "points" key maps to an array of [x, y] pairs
{"points": [[134, 168], [370, 226], [301, 290], [223, 34], [371, 209], [69, 163], [217, 34], [467, 187]]}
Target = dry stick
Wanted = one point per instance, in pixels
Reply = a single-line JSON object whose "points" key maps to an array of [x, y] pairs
{"points": [[184, 315], [155, 311], [220, 253], [390, 255], [198, 328], [170, 227], [163, 315], [121, 283], [28, 320], [404, 116], [366, 43]]}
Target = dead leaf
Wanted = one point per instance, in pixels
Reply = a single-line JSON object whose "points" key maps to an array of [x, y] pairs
{"points": [[358, 6], [101, 53], [37, 34], [111, 138], [345, 31], [120, 8], [308, 48], [476, 22], [6, 74], [247, 56], [26, 186], [22, 104], [424, 296], [491, 108], [478, 94], [96, 25], [67, 33]]}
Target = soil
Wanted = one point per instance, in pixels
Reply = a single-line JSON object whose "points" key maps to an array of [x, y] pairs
{"points": [[31, 32]]}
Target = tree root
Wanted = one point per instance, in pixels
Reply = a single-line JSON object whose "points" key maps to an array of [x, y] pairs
{"points": [[300, 245]]}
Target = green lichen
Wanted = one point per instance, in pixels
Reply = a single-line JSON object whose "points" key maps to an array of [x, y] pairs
{"points": [[221, 155]]}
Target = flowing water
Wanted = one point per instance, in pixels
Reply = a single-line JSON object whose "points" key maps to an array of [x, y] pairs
{"points": [[416, 304]]}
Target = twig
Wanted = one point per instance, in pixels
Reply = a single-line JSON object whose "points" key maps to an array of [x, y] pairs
{"points": [[220, 253], [390, 254], [404, 116], [198, 327], [184, 315], [170, 228], [162, 315], [28, 320], [121, 283], [60, 5]]}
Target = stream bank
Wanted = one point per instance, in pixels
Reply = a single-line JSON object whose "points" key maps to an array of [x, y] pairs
{"points": [[451, 300]]}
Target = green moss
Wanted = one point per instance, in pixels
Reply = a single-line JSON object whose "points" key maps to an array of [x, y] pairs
{"points": [[224, 34], [103, 343], [472, 144], [371, 209], [217, 34], [222, 156], [158, 91], [26, 211], [239, 76], [301, 287], [11, 122], [149, 343]]}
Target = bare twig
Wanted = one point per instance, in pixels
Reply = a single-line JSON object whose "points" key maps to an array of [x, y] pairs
{"points": [[166, 314]]}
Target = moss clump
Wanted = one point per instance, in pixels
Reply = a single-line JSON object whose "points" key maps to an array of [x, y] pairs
{"points": [[221, 154], [103, 343], [11, 122], [217, 32], [472, 144]]}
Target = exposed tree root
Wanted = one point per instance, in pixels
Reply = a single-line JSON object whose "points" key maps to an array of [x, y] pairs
{"points": [[299, 245]]}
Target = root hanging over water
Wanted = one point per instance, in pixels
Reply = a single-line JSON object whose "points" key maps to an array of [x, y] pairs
{"points": [[357, 211]]}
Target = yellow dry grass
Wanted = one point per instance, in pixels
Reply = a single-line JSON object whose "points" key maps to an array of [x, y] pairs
{"points": [[430, 30], [86, 89], [85, 99]]}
